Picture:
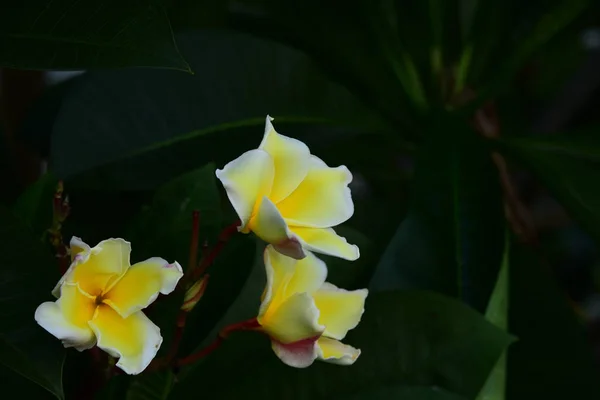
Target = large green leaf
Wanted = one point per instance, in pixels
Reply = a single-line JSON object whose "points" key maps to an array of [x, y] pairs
{"points": [[497, 313], [568, 166], [78, 34], [552, 358], [406, 393], [151, 386], [28, 274], [147, 126], [407, 339], [451, 240]]}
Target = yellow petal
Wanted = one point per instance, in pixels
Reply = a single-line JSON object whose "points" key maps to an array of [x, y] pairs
{"points": [[290, 158], [339, 310], [326, 241], [322, 200], [140, 285], [295, 319], [96, 269], [68, 317], [135, 340], [268, 225], [287, 277], [299, 354], [330, 350], [246, 180], [79, 251]]}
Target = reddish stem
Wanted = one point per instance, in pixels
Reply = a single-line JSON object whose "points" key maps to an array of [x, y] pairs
{"points": [[250, 324], [193, 261], [207, 261]]}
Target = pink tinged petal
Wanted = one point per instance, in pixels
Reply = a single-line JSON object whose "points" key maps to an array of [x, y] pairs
{"points": [[246, 180], [299, 354], [135, 340], [286, 276], [335, 352], [326, 241], [339, 310], [68, 317], [269, 226], [140, 285], [291, 160], [80, 252], [322, 200], [296, 318]]}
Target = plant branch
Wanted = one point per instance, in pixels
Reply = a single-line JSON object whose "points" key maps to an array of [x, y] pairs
{"points": [[207, 261], [250, 324]]}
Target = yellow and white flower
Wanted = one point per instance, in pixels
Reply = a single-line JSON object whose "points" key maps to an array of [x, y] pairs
{"points": [[289, 197], [304, 316], [100, 299]]}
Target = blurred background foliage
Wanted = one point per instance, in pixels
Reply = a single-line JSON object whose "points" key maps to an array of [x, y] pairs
{"points": [[472, 131]]}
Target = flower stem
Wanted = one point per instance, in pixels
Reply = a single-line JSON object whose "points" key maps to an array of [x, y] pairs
{"points": [[250, 324], [207, 261], [60, 212], [193, 260]]}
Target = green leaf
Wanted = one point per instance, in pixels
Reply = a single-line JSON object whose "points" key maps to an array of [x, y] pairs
{"points": [[34, 205], [76, 34], [151, 386], [28, 274], [451, 240], [148, 126], [406, 338], [497, 314], [567, 165], [552, 358], [405, 392]]}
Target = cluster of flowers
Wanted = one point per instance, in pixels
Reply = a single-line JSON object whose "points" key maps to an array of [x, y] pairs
{"points": [[284, 195]]}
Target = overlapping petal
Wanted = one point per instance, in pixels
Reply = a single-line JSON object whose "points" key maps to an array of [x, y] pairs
{"points": [[335, 352], [135, 340], [141, 284], [290, 159], [286, 277], [97, 269], [67, 318], [340, 310], [322, 199], [296, 318], [299, 354], [268, 225], [246, 180], [326, 241]]}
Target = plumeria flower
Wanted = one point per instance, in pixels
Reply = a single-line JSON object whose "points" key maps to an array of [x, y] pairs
{"points": [[304, 316], [290, 198], [100, 299]]}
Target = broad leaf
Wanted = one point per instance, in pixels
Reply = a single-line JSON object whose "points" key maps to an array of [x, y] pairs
{"points": [[28, 274], [147, 126], [405, 392], [74, 34], [552, 358], [407, 339], [151, 386], [451, 240]]}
